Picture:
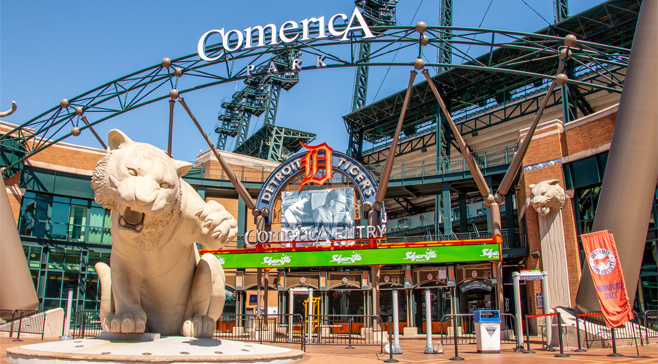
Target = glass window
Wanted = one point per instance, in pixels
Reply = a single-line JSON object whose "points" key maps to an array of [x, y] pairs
{"points": [[72, 261], [95, 257], [77, 223], [59, 219], [27, 219], [48, 304], [56, 259], [42, 203], [97, 225], [91, 288], [53, 285], [34, 257], [35, 277], [70, 281], [63, 218]]}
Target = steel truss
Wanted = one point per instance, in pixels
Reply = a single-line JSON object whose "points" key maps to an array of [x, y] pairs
{"points": [[527, 53]]}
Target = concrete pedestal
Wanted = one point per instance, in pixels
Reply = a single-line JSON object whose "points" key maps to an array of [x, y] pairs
{"points": [[167, 349]]}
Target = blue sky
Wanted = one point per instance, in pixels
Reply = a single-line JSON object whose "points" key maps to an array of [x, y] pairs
{"points": [[51, 50]]}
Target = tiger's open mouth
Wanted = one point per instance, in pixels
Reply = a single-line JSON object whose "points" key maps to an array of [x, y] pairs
{"points": [[543, 210], [132, 219]]}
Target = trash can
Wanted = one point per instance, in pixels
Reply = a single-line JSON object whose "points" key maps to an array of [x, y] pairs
{"points": [[487, 331]]}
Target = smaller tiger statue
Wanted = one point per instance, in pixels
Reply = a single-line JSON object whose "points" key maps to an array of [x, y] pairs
{"points": [[547, 196]]}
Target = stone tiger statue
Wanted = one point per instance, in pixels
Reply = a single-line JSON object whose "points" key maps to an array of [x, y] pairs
{"points": [[547, 196], [157, 282]]}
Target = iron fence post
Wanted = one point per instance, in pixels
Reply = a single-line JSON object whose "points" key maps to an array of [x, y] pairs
{"points": [[390, 345], [349, 333], [580, 348], [527, 336], [586, 335], [43, 325], [454, 335], [11, 325], [639, 330], [258, 318], [84, 325], [559, 333], [646, 326], [614, 343], [20, 322]]}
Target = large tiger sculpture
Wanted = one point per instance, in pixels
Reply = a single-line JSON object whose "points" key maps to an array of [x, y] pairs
{"points": [[158, 282]]}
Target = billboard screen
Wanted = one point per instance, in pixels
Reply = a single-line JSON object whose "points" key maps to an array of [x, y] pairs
{"points": [[329, 212]]}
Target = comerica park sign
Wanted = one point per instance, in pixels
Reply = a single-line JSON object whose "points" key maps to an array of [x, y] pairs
{"points": [[337, 26], [347, 257]]}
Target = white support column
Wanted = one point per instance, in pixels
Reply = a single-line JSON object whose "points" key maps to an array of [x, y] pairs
{"points": [[290, 311], [396, 327], [547, 307], [67, 320], [429, 349], [519, 314], [309, 314]]}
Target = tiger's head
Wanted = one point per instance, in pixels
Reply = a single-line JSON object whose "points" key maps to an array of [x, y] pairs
{"points": [[141, 185], [547, 196]]}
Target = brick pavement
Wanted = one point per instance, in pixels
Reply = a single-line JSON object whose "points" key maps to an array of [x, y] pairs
{"points": [[413, 353]]}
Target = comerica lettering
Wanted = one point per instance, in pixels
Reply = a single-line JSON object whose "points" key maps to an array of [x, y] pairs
{"points": [[289, 31]]}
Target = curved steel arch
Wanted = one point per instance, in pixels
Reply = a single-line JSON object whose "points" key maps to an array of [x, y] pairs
{"points": [[147, 85]]}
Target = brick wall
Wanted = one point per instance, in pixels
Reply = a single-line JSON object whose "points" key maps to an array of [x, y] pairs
{"points": [[552, 140]]}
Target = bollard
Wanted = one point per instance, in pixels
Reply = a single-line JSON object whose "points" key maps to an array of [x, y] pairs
{"points": [[586, 335], [349, 333], [580, 349], [527, 336], [559, 333], [614, 343], [11, 327], [390, 345], [67, 320], [84, 324], [454, 335], [20, 322]]}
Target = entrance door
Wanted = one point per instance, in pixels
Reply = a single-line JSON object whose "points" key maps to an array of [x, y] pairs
{"points": [[345, 302], [439, 307]]}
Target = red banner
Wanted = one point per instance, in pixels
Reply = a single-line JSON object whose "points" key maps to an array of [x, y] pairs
{"points": [[603, 260]]}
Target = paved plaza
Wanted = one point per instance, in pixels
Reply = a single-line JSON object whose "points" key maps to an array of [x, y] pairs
{"points": [[413, 353]]}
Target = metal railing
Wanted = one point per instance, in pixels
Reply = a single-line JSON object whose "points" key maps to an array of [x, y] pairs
{"points": [[23, 321], [627, 334], [510, 237], [465, 333], [271, 328], [348, 330], [87, 324], [651, 326], [429, 167]]}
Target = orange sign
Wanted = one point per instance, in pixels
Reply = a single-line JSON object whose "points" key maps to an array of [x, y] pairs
{"points": [[318, 157], [604, 263]]}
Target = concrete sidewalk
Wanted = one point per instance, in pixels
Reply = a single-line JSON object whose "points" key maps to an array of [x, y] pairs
{"points": [[413, 353]]}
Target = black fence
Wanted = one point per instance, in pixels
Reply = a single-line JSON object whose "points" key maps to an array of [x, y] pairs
{"points": [[348, 330], [23, 321], [651, 326], [87, 324], [271, 328], [627, 334], [465, 329]]}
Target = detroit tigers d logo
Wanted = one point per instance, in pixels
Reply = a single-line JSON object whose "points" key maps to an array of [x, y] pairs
{"points": [[318, 157]]}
